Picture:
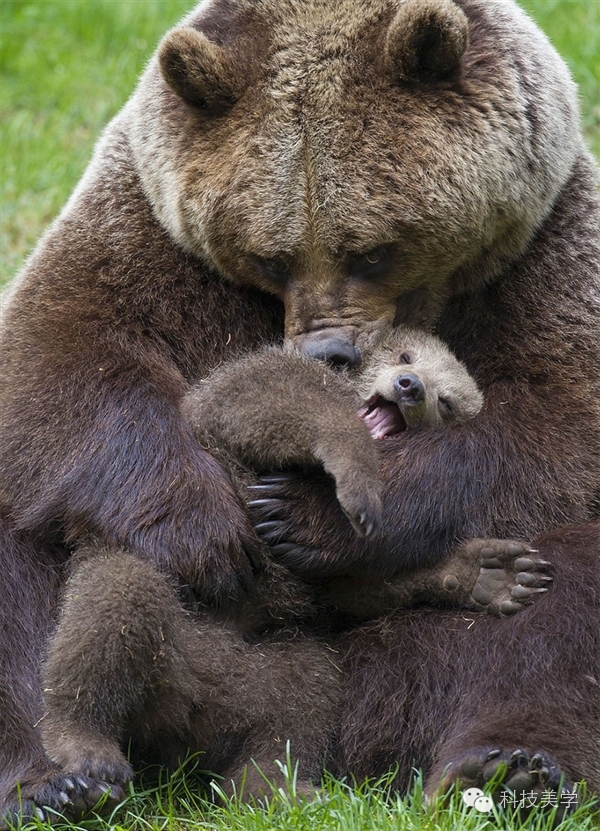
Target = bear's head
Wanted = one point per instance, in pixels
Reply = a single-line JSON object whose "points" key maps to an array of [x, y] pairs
{"points": [[410, 379], [364, 160]]}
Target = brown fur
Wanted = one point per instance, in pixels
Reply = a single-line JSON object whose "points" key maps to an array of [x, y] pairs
{"points": [[273, 410], [463, 700], [356, 179], [130, 667], [127, 663], [146, 669]]}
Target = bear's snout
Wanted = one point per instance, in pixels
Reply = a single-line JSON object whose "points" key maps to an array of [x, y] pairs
{"points": [[410, 389], [333, 350]]}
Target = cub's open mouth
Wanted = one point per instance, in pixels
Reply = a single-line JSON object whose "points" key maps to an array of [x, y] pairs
{"points": [[383, 418]]}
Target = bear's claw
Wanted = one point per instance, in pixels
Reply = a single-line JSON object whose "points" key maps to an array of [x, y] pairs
{"points": [[67, 798], [525, 779]]}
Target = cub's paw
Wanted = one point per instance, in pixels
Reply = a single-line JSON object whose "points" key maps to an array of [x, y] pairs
{"points": [[522, 779], [511, 576], [62, 797], [362, 506], [85, 754]]}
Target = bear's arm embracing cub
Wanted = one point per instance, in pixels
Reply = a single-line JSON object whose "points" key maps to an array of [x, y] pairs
{"points": [[92, 437], [270, 410]]}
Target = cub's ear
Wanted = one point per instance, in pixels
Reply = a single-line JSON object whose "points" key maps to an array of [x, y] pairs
{"points": [[198, 70], [426, 40]]}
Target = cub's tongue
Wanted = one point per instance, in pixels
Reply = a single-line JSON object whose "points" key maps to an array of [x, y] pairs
{"points": [[382, 418]]}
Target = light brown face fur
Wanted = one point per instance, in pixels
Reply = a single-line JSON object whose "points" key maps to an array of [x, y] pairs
{"points": [[319, 151], [413, 380]]}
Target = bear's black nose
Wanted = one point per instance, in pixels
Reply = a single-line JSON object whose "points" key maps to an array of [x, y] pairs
{"points": [[410, 389], [334, 351]]}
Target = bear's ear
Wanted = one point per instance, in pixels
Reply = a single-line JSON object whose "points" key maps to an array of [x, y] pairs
{"points": [[198, 70], [426, 40]]}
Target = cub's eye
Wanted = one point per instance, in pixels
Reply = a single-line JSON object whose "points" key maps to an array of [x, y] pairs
{"points": [[405, 358], [447, 405], [274, 270], [372, 263]]}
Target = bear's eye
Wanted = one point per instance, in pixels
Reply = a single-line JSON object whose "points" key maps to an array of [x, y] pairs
{"points": [[274, 270], [371, 263], [405, 358], [447, 405]]}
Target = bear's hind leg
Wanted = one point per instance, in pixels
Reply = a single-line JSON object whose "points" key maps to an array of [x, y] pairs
{"points": [[545, 729]]}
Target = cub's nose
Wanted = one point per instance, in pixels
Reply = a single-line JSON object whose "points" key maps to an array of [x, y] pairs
{"points": [[334, 351], [410, 389]]}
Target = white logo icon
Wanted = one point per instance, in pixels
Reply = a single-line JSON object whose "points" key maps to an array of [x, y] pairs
{"points": [[475, 798]]}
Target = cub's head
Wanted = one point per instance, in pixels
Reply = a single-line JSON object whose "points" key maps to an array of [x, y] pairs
{"points": [[363, 160], [412, 380]]}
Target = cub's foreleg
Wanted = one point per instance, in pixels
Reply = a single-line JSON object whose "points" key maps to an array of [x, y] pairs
{"points": [[499, 577], [284, 410]]}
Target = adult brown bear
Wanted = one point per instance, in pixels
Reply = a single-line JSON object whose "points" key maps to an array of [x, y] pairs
{"points": [[343, 165]]}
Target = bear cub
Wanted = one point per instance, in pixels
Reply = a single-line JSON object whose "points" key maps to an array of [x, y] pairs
{"points": [[272, 409]]}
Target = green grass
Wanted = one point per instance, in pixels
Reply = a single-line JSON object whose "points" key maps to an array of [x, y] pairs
{"points": [[573, 26], [175, 805], [68, 65]]}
